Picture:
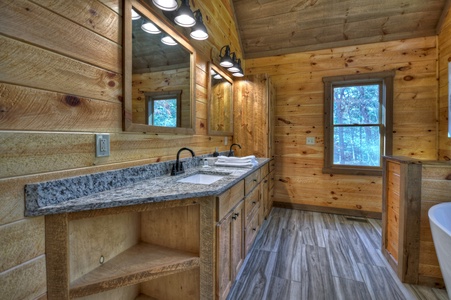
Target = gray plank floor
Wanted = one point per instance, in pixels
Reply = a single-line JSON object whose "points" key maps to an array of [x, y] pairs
{"points": [[309, 255]]}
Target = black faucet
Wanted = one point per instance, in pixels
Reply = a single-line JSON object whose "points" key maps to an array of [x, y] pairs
{"points": [[177, 168], [230, 151]]}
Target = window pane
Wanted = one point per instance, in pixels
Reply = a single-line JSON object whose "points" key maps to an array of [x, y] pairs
{"points": [[357, 146], [356, 104], [165, 113]]}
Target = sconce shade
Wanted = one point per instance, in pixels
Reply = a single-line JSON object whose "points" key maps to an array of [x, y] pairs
{"points": [[167, 40], [135, 15], [199, 31], [167, 5], [184, 16], [240, 72], [226, 61], [217, 76], [236, 67], [149, 27]]}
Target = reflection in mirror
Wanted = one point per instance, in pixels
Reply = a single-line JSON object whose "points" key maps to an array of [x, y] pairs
{"points": [[220, 108], [159, 93]]}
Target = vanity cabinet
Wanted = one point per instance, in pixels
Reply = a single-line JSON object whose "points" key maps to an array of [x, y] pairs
{"points": [[96, 251], [230, 249]]}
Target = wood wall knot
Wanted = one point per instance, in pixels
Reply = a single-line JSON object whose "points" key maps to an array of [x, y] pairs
{"points": [[72, 100], [408, 78]]}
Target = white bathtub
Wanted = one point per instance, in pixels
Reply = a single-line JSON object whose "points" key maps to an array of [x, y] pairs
{"points": [[440, 220]]}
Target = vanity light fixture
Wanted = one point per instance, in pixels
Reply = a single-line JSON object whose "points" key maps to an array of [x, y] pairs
{"points": [[199, 31], [226, 61], [217, 76], [235, 67], [150, 27], [240, 72], [167, 40], [184, 16], [167, 5], [135, 15]]}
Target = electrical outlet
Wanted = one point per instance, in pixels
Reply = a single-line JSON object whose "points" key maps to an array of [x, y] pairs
{"points": [[310, 140], [102, 144], [225, 141]]}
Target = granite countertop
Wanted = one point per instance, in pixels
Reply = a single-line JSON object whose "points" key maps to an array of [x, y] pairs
{"points": [[155, 189]]}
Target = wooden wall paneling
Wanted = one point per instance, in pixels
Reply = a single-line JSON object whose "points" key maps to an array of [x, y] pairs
{"points": [[35, 67], [102, 18], [299, 114], [25, 108], [21, 241], [27, 21], [30, 276]]}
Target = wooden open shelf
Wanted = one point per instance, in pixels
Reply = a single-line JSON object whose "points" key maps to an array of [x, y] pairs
{"points": [[140, 263]]}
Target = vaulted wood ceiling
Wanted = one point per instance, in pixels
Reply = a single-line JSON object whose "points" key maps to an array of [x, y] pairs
{"points": [[273, 27]]}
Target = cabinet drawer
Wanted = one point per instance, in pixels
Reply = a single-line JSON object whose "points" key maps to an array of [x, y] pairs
{"points": [[251, 231], [227, 200], [251, 181], [264, 171], [251, 203]]}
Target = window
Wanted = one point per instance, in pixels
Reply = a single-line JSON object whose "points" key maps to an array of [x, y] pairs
{"points": [[163, 109], [358, 112]]}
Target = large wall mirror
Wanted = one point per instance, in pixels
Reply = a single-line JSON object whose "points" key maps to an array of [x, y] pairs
{"points": [[220, 102], [159, 71]]}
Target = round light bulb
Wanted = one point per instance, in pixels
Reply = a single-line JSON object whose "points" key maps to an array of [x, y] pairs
{"points": [[135, 15], [167, 40], [167, 5], [149, 27]]}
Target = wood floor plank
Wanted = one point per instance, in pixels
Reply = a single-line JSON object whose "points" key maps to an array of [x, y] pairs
{"points": [[341, 259], [349, 289], [378, 282], [289, 262]]}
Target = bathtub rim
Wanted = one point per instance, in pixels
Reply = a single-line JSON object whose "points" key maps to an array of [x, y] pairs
{"points": [[433, 218]]}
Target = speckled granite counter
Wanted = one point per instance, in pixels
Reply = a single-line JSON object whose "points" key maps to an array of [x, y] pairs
{"points": [[138, 185]]}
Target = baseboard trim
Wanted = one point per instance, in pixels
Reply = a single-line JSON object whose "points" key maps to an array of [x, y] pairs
{"points": [[330, 210]]}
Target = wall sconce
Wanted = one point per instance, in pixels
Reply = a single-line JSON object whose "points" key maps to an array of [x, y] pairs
{"points": [[135, 15], [167, 40], [226, 61], [240, 72], [232, 64], [199, 31], [184, 16], [167, 5], [150, 27]]}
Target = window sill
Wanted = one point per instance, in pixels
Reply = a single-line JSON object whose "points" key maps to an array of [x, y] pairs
{"points": [[353, 171]]}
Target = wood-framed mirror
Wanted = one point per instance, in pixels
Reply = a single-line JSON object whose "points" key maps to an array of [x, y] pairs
{"points": [[220, 102], [159, 79]]}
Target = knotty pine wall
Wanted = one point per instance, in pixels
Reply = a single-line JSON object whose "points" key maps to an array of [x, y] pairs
{"points": [[299, 114], [60, 83], [444, 46]]}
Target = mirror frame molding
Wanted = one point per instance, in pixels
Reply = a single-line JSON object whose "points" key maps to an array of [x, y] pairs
{"points": [[165, 25], [218, 70]]}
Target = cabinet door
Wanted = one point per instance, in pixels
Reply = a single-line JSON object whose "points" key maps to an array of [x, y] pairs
{"points": [[224, 277], [237, 243]]}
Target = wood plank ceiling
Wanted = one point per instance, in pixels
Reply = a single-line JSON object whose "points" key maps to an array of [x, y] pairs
{"points": [[274, 27]]}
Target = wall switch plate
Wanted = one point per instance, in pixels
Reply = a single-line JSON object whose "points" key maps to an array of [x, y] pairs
{"points": [[310, 140], [102, 144], [225, 141]]}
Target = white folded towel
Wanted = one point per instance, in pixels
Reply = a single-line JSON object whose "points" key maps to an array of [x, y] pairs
{"points": [[247, 161]]}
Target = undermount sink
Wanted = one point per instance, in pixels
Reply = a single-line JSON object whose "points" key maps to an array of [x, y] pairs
{"points": [[201, 179]]}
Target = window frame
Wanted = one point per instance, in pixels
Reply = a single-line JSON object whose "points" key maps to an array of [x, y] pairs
{"points": [[169, 95], [386, 80]]}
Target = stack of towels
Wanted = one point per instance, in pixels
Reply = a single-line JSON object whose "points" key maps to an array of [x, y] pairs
{"points": [[247, 161]]}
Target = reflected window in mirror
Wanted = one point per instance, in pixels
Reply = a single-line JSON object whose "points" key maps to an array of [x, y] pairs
{"points": [[164, 109], [220, 108], [158, 76]]}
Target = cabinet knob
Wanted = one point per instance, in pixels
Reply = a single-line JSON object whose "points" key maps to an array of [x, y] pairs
{"points": [[254, 229], [255, 180], [254, 202]]}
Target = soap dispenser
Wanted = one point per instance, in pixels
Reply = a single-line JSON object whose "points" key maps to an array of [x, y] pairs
{"points": [[216, 154]]}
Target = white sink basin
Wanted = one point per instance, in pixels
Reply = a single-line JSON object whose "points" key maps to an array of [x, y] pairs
{"points": [[201, 179]]}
